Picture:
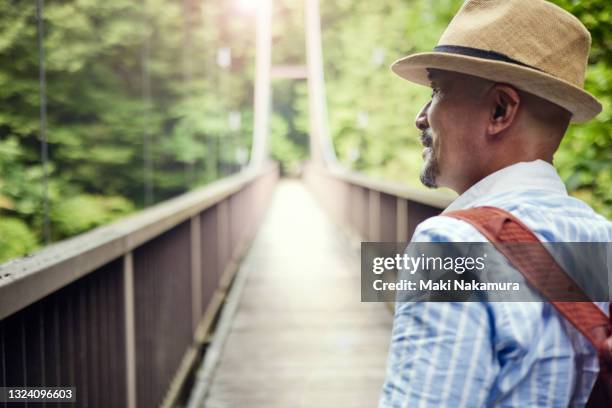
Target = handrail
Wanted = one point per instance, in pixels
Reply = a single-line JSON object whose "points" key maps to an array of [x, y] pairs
{"points": [[373, 210], [433, 198], [25, 280]]}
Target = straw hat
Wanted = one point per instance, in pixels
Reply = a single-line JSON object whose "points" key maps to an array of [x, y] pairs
{"points": [[531, 44]]}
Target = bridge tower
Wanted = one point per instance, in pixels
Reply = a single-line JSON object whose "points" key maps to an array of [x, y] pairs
{"points": [[321, 148]]}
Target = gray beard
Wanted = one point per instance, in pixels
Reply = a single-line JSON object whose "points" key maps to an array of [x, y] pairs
{"points": [[429, 172]]}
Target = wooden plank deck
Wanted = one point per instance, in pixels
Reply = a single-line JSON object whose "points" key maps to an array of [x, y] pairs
{"points": [[297, 334]]}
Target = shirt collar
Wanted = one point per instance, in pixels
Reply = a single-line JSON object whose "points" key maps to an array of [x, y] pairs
{"points": [[538, 174]]}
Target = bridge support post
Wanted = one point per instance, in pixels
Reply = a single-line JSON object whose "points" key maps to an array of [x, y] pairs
{"points": [[374, 216], [130, 338], [401, 207], [196, 271], [321, 148]]}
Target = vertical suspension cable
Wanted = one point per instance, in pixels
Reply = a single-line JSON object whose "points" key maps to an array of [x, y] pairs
{"points": [[44, 148], [187, 77], [146, 98]]}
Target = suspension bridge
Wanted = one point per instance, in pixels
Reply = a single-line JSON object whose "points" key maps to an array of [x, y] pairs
{"points": [[244, 293]]}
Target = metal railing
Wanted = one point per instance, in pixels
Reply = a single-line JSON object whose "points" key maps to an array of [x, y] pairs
{"points": [[121, 312], [375, 210], [371, 209]]}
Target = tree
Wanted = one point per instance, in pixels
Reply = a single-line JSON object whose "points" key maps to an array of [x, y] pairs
{"points": [[137, 108]]}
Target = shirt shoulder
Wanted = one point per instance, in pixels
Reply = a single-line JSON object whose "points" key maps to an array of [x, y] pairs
{"points": [[554, 217], [446, 229]]}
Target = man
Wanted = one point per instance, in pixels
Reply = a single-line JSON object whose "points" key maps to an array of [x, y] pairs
{"points": [[507, 79]]}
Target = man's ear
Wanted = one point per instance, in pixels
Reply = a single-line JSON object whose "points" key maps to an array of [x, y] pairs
{"points": [[506, 101]]}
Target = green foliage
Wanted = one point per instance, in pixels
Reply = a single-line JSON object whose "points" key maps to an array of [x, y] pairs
{"points": [[15, 239], [83, 212], [282, 149], [289, 126], [119, 74], [584, 159], [371, 111]]}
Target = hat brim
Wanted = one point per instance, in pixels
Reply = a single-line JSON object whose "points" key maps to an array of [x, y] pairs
{"points": [[580, 103]]}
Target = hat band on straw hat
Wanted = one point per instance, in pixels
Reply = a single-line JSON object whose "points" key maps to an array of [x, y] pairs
{"points": [[480, 53]]}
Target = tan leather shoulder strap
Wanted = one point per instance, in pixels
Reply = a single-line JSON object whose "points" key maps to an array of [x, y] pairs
{"points": [[539, 268]]}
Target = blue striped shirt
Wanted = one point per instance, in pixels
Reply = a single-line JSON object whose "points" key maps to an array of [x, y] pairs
{"points": [[505, 354]]}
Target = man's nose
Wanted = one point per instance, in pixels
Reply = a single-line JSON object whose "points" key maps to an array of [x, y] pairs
{"points": [[421, 121]]}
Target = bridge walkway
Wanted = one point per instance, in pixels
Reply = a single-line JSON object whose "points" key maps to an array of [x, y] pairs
{"points": [[294, 332]]}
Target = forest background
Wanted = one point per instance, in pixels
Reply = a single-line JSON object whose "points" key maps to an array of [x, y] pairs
{"points": [[147, 100]]}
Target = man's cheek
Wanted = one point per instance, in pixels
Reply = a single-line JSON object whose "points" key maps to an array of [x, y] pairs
{"points": [[435, 144]]}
